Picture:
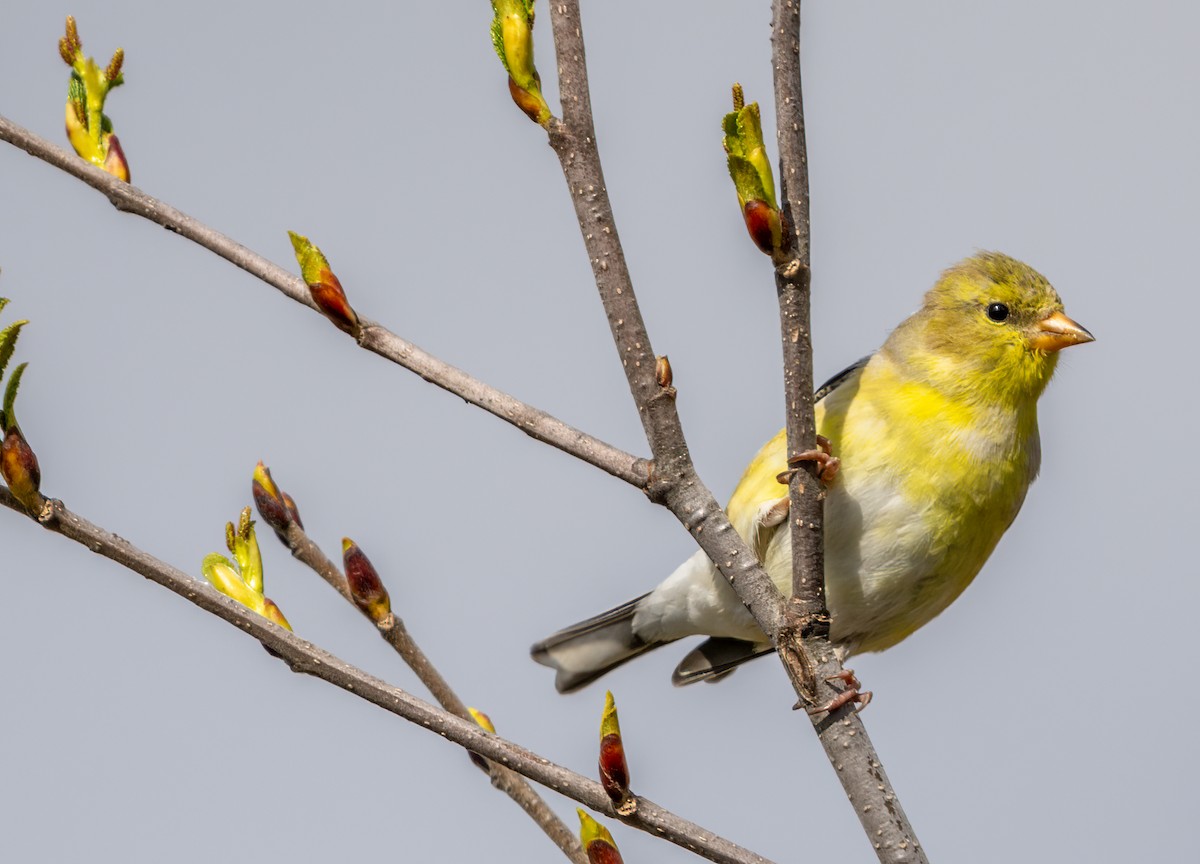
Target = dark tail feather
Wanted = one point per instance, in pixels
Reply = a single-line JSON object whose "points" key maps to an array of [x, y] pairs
{"points": [[583, 652], [715, 658]]}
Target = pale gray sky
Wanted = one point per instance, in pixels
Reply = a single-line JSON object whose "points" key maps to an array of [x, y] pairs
{"points": [[1034, 720]]}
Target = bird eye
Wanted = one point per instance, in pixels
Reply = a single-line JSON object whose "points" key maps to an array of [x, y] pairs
{"points": [[997, 312]]}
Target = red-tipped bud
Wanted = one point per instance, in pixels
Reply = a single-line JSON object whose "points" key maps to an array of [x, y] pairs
{"points": [[532, 105], [327, 293], [269, 500], [19, 466], [366, 588], [18, 463], [764, 225], [597, 841], [614, 770], [323, 285]]}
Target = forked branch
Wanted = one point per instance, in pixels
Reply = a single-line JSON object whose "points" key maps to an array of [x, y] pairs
{"points": [[304, 657], [805, 650]]}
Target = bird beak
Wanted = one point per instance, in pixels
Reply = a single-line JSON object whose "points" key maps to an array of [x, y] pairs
{"points": [[1057, 331]]}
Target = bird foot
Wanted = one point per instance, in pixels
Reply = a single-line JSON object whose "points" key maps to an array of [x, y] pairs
{"points": [[828, 464], [850, 694]]}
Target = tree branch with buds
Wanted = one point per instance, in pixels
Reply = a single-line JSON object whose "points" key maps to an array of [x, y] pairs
{"points": [[363, 588]]}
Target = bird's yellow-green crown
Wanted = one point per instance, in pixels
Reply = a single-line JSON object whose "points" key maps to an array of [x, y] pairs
{"points": [[997, 277]]}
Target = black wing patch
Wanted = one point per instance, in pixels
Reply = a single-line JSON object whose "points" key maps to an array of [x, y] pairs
{"points": [[840, 378]]}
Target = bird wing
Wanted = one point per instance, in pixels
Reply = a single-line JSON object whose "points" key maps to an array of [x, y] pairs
{"points": [[758, 489]]}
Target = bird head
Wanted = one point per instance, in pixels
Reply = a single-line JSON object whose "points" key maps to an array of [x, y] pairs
{"points": [[991, 323]]}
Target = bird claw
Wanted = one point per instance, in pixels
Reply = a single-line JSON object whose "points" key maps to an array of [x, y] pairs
{"points": [[847, 677], [850, 694], [827, 463]]}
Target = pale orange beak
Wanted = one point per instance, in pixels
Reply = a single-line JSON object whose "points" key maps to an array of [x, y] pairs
{"points": [[1057, 331]]}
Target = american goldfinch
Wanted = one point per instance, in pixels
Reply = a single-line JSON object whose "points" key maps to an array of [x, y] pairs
{"points": [[938, 442]]}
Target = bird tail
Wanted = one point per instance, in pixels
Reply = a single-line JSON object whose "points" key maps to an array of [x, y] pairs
{"points": [[583, 652]]}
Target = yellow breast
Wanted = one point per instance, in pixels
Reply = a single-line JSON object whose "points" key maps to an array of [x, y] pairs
{"points": [[928, 484]]}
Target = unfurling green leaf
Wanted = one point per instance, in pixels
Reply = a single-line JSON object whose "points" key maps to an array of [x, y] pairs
{"points": [[242, 579], [8, 341], [8, 419], [89, 129], [744, 144], [753, 180]]}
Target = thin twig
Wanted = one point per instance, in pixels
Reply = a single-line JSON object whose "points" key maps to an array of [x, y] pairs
{"points": [[374, 337], [674, 482], [308, 659], [307, 552], [393, 631], [810, 659], [396, 634]]}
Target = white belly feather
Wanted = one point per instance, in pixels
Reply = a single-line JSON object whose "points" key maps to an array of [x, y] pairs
{"points": [[887, 572]]}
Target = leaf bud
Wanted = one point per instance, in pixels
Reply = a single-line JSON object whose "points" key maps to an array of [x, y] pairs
{"points": [[366, 588]]}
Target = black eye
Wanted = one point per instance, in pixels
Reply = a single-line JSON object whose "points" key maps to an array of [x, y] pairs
{"points": [[997, 312]]}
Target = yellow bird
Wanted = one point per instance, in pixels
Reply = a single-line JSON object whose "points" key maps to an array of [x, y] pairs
{"points": [[937, 438]]}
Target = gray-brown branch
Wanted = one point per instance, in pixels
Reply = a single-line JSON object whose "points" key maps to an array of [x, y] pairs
{"points": [[673, 481], [304, 657], [394, 632], [812, 660], [374, 337]]}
